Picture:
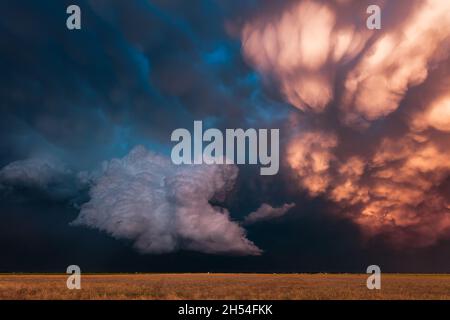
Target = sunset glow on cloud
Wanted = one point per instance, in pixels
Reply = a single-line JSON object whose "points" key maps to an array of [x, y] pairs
{"points": [[329, 67]]}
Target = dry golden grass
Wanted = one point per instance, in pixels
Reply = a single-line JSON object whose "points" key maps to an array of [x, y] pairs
{"points": [[225, 286]]}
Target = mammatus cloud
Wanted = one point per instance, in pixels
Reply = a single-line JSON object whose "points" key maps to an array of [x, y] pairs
{"points": [[267, 212], [391, 177], [162, 207], [399, 59], [300, 48]]}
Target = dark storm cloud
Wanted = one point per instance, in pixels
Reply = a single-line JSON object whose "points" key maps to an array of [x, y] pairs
{"points": [[136, 71]]}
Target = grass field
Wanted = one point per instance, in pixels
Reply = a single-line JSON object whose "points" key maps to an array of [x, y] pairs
{"points": [[225, 286]]}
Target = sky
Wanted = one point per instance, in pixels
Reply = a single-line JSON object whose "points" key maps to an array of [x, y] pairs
{"points": [[86, 176]]}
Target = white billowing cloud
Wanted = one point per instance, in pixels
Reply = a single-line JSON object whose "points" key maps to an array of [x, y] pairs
{"points": [[33, 172], [163, 207], [267, 212]]}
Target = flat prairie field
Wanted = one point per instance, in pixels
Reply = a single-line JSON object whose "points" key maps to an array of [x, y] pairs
{"points": [[225, 286]]}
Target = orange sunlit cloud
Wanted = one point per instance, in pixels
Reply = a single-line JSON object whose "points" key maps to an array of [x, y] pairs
{"points": [[331, 67]]}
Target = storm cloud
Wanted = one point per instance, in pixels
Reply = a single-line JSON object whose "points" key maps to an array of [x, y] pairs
{"points": [[363, 118]]}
